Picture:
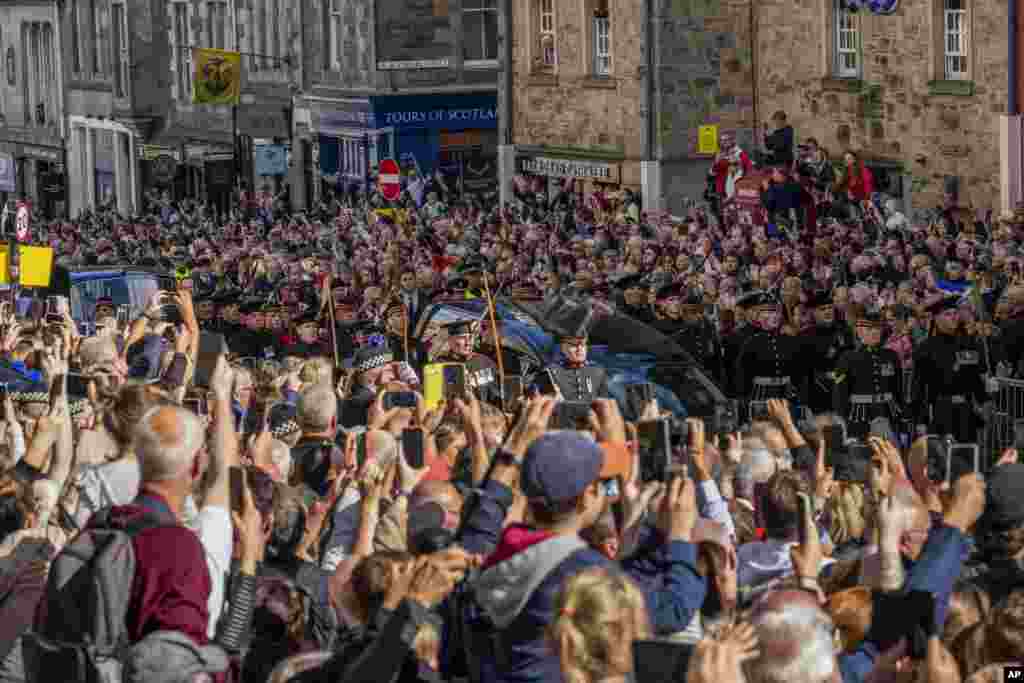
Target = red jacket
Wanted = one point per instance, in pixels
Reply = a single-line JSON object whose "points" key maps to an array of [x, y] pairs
{"points": [[720, 169], [861, 185]]}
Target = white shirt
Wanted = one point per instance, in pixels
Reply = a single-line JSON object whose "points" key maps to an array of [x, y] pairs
{"points": [[213, 526]]}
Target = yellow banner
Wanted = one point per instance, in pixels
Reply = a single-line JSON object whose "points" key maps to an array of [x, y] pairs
{"points": [[707, 140], [218, 76], [36, 266]]}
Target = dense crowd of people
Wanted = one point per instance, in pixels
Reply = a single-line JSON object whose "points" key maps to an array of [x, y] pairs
{"points": [[295, 507]]}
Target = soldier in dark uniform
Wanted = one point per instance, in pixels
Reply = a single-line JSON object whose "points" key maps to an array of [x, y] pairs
{"points": [[104, 308], [307, 344], [824, 347], [400, 337], [949, 386], [734, 343], [697, 336], [255, 341], [868, 380], [768, 363], [481, 372], [572, 375], [635, 298], [667, 302]]}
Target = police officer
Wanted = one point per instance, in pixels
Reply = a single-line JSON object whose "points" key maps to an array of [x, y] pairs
{"points": [[767, 365], [473, 272], [573, 376], [825, 345], [481, 372], [868, 380], [949, 388]]}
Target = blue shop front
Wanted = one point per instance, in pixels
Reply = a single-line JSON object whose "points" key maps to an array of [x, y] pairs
{"points": [[456, 135]]}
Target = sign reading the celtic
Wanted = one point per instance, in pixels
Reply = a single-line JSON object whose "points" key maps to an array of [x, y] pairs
{"points": [[218, 77], [873, 6], [569, 168]]}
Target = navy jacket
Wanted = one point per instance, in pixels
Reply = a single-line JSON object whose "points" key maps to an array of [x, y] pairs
{"points": [[517, 596], [935, 571]]}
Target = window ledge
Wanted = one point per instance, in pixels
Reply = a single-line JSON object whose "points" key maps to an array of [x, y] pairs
{"points": [[599, 82], [837, 84], [542, 77], [480, 64], [954, 88]]}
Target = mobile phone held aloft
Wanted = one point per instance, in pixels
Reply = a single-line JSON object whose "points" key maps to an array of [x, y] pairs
{"points": [[655, 441], [399, 399], [443, 381], [412, 448]]}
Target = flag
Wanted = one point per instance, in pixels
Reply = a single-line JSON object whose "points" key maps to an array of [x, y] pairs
{"points": [[217, 78]]}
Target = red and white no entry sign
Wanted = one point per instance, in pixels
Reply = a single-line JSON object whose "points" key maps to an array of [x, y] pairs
{"points": [[389, 180], [22, 218]]}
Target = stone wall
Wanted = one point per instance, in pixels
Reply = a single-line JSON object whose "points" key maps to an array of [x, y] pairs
{"points": [[705, 76], [567, 107], [900, 111]]}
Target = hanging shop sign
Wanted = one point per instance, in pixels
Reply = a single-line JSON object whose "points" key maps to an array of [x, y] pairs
{"points": [[164, 169], [8, 173], [873, 6], [270, 160], [570, 168]]}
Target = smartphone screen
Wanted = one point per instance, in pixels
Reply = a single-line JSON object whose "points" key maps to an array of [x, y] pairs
{"points": [[78, 384], [655, 450], [806, 513], [657, 660], [758, 411], [236, 481], [412, 447], [399, 399]]}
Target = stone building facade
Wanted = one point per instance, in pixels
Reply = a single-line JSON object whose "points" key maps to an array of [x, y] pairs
{"points": [[31, 106], [410, 80], [588, 112], [918, 93]]}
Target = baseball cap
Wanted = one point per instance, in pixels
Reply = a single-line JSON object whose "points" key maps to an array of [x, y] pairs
{"points": [[560, 465]]}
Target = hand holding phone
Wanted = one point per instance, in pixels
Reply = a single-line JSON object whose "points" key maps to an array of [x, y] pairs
{"points": [[236, 482], [806, 556], [413, 448]]}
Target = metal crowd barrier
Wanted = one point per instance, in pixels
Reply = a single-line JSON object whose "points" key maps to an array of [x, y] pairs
{"points": [[1009, 407]]}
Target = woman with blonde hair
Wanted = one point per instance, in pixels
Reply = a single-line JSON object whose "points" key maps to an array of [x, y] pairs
{"points": [[845, 510], [599, 615]]}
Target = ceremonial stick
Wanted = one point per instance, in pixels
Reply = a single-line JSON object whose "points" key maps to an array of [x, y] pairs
{"points": [[497, 339]]}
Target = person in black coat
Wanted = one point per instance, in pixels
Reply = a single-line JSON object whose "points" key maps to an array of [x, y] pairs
{"points": [[779, 143], [868, 380]]}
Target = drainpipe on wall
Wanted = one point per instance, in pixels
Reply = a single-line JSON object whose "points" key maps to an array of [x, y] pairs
{"points": [[650, 167], [65, 129], [1013, 104]]}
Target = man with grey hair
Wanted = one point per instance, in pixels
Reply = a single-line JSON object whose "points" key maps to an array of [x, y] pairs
{"points": [[172, 583], [316, 450]]}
